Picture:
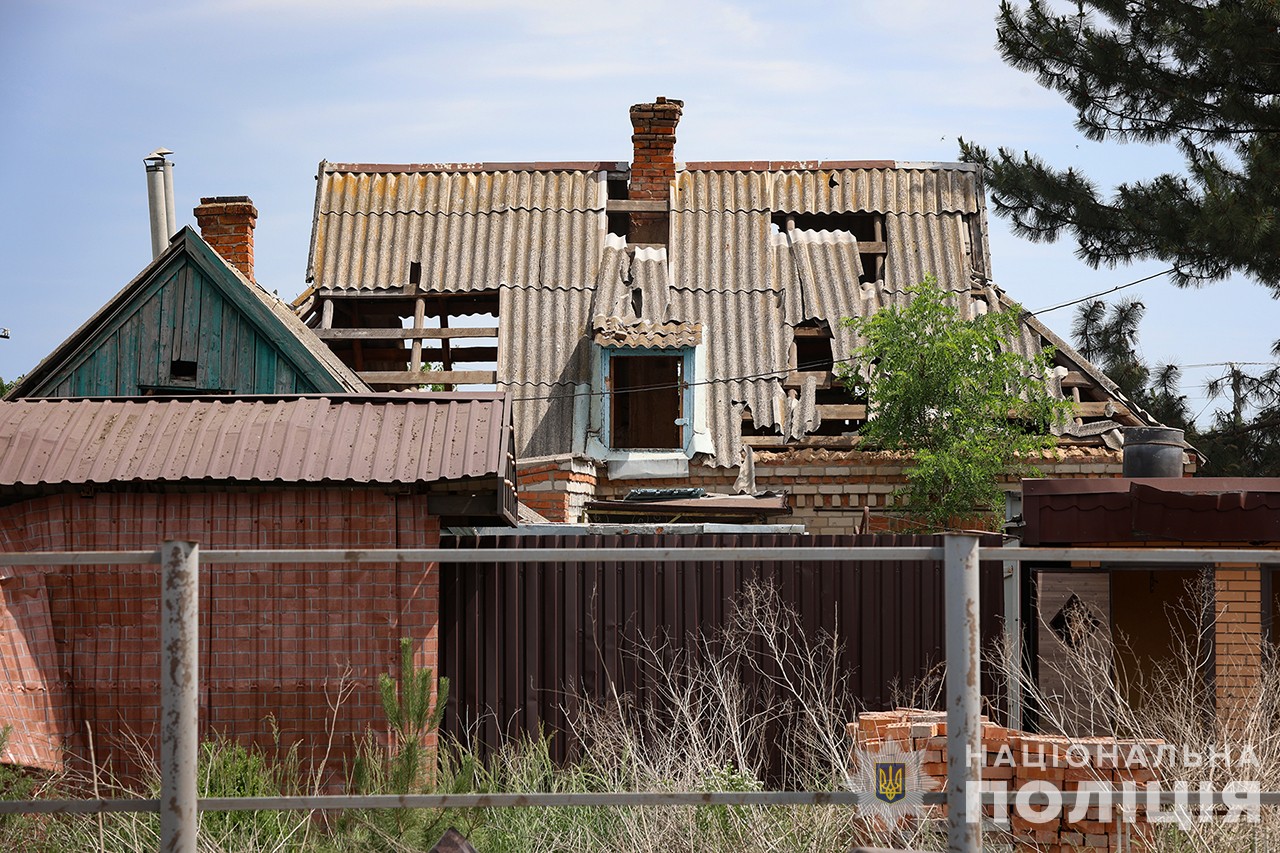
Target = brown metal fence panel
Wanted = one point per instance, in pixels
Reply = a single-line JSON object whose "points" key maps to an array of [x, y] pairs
{"points": [[524, 645]]}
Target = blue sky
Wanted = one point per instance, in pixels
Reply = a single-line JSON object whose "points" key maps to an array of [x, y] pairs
{"points": [[252, 94]]}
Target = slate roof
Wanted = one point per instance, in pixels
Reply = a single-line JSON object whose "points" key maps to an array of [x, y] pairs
{"points": [[538, 233]]}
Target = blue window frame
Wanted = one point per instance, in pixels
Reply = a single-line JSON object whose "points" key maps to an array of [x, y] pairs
{"points": [[648, 404]]}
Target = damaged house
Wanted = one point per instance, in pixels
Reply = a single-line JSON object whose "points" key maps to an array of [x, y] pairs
{"points": [[666, 324]]}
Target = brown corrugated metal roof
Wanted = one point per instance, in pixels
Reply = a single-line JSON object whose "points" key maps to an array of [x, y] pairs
{"points": [[390, 439], [1115, 511]]}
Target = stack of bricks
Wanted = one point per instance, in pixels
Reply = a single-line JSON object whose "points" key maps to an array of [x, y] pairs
{"points": [[653, 164], [558, 487], [226, 224], [1012, 757]]}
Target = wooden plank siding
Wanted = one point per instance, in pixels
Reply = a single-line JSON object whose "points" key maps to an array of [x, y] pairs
{"points": [[181, 316]]}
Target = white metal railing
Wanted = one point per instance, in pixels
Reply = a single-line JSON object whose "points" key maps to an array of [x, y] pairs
{"points": [[179, 583]]}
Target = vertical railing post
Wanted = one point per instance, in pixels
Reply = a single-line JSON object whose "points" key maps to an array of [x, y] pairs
{"points": [[964, 727], [179, 695], [1013, 615]]}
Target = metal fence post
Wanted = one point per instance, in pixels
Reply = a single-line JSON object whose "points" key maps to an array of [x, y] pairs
{"points": [[1013, 614], [179, 695], [964, 727]]}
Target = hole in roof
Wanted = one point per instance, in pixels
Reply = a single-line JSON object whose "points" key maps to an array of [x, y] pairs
{"points": [[861, 225]]}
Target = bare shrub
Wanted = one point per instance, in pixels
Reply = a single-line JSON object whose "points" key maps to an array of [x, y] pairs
{"points": [[1172, 701], [709, 727]]}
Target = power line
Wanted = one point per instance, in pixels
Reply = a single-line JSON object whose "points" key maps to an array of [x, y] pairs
{"points": [[1101, 293], [769, 374], [1232, 364]]}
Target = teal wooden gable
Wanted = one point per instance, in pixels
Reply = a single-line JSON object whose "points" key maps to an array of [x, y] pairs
{"points": [[190, 324]]}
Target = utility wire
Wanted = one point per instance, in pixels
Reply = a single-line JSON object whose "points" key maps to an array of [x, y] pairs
{"points": [[1101, 293], [681, 385]]}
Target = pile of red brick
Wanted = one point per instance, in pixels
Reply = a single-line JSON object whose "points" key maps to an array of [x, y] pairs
{"points": [[1017, 758]]}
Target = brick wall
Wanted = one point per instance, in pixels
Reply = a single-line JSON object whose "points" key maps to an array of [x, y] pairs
{"points": [[1237, 638], [277, 643], [558, 487], [828, 490]]}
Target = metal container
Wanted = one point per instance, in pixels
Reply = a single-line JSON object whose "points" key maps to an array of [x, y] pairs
{"points": [[1153, 452]]}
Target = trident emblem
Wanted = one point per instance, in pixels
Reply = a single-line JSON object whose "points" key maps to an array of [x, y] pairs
{"points": [[890, 781]]}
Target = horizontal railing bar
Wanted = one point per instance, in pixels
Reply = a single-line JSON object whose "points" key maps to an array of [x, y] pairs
{"points": [[63, 558], [580, 800], [569, 555], [1134, 555], [138, 806], [1181, 556]]}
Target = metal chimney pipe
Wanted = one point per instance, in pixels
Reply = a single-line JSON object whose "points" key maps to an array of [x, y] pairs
{"points": [[171, 214], [158, 199]]}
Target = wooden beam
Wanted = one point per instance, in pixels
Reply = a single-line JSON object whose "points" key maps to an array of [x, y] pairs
{"points": [[796, 378], [636, 205], [842, 411], [462, 355], [810, 332], [430, 377], [1103, 409], [419, 320], [872, 247], [832, 412], [1076, 379], [398, 334]]}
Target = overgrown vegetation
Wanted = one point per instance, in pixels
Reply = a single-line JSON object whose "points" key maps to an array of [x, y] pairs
{"points": [[1105, 687], [952, 394], [704, 730]]}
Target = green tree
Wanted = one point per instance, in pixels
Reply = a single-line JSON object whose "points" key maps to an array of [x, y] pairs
{"points": [[953, 395], [1203, 75]]}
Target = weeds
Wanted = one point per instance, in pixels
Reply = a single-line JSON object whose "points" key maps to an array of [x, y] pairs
{"points": [[1173, 701]]}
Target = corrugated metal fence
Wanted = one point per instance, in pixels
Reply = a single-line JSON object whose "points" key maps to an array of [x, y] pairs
{"points": [[524, 645]]}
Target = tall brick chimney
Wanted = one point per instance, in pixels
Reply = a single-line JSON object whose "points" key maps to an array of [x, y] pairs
{"points": [[226, 224], [653, 165]]}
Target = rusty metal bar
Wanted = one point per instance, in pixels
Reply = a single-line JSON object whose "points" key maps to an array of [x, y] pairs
{"points": [[179, 695], [964, 691]]}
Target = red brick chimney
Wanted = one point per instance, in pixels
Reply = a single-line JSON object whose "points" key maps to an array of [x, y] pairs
{"points": [[226, 224], [653, 164]]}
